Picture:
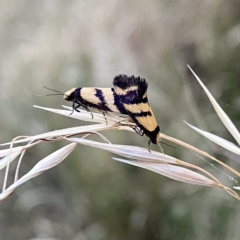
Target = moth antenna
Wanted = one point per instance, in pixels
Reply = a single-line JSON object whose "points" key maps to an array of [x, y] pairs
{"points": [[49, 95], [54, 90]]}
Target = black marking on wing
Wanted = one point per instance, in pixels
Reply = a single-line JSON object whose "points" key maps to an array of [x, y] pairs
{"points": [[103, 105], [99, 94], [140, 114], [132, 97], [118, 103], [124, 82]]}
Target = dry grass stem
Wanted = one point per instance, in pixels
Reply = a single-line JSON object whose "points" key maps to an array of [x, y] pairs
{"points": [[198, 151]]}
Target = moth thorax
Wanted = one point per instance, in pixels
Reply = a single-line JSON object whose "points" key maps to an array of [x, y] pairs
{"points": [[69, 95]]}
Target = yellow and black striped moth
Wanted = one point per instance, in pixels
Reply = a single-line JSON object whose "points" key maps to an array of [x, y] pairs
{"points": [[129, 96]]}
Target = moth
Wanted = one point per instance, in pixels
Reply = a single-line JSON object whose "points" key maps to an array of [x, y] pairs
{"points": [[128, 96]]}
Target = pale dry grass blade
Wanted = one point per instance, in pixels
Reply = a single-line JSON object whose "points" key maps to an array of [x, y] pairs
{"points": [[83, 115], [128, 151], [174, 172], [43, 165], [222, 115], [141, 155], [218, 140]]}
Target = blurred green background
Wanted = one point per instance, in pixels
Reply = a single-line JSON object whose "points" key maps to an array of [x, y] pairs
{"points": [[64, 44]]}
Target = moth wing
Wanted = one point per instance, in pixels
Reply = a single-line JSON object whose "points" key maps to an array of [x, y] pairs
{"points": [[132, 89], [108, 95], [110, 100], [132, 92]]}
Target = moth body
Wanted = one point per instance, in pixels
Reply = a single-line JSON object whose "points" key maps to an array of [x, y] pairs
{"points": [[128, 96]]}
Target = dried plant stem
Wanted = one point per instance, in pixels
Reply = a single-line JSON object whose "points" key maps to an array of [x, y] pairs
{"points": [[30, 144], [190, 147], [18, 165], [8, 164]]}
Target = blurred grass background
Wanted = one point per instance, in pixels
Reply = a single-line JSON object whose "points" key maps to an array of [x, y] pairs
{"points": [[64, 44]]}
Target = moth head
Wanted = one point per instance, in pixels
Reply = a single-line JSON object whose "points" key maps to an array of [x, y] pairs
{"points": [[69, 95]]}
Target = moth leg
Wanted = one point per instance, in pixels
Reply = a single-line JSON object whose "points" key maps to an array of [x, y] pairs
{"points": [[105, 117], [85, 107], [149, 142], [92, 115], [73, 107], [138, 130], [88, 110], [76, 108], [141, 133]]}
